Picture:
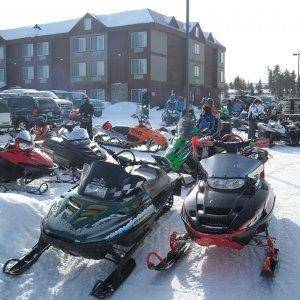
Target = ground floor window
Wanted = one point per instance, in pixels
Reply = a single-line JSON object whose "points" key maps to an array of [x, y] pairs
{"points": [[98, 94], [136, 94], [1, 75]]}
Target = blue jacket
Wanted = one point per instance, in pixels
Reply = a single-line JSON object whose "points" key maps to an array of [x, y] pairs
{"points": [[210, 122]]}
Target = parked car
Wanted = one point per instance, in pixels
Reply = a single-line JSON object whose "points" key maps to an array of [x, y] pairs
{"points": [[26, 111], [78, 99], [19, 91], [65, 105], [5, 117]]}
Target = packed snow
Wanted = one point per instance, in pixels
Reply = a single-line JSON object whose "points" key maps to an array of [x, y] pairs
{"points": [[204, 273]]}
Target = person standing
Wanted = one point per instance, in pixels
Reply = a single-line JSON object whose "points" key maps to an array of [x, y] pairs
{"points": [[255, 110], [86, 116], [146, 97]]}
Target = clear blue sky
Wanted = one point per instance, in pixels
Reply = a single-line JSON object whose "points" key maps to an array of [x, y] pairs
{"points": [[256, 33]]}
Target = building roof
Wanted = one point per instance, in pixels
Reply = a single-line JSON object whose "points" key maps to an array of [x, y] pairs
{"points": [[133, 17]]}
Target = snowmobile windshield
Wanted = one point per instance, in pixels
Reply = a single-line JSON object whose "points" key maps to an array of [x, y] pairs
{"points": [[107, 181], [228, 165], [78, 135], [184, 128]]}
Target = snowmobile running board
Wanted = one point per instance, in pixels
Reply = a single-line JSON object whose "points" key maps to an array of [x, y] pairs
{"points": [[25, 262]]}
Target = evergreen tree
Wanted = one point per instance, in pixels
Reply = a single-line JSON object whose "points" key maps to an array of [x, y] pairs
{"points": [[259, 87]]}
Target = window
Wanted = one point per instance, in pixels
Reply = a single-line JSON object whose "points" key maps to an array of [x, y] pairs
{"points": [[97, 43], [139, 66], [79, 44], [97, 68], [79, 69], [27, 50], [136, 94], [28, 73], [43, 49], [1, 75], [197, 48], [139, 39], [196, 71], [221, 76], [87, 24], [1, 52], [221, 57], [43, 72], [197, 32], [98, 94]]}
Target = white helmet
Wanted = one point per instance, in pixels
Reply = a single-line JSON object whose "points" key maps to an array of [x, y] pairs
{"points": [[24, 135]]}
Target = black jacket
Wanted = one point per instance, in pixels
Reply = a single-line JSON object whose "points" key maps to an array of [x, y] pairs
{"points": [[87, 109]]}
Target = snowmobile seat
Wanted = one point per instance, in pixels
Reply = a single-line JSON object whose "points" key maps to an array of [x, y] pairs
{"points": [[121, 129]]}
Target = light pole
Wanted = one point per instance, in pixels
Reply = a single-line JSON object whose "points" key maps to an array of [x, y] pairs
{"points": [[187, 34], [298, 54]]}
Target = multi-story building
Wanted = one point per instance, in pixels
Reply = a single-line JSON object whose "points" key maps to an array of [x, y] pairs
{"points": [[114, 57]]}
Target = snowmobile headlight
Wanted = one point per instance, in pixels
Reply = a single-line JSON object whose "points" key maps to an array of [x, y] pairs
{"points": [[26, 146], [226, 184]]}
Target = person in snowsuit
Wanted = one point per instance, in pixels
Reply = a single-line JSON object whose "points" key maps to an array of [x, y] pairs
{"points": [[180, 105], [235, 107], [255, 110], [171, 102], [209, 122], [145, 103], [86, 114]]}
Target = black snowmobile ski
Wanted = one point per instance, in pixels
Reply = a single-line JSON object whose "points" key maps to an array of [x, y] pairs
{"points": [[178, 244], [19, 266]]}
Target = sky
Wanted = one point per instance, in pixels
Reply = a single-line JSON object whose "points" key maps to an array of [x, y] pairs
{"points": [[256, 33]]}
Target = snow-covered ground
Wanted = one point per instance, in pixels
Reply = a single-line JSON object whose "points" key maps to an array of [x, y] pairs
{"points": [[204, 273]]}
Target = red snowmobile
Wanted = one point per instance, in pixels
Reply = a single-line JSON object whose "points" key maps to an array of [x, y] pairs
{"points": [[231, 207], [21, 163]]}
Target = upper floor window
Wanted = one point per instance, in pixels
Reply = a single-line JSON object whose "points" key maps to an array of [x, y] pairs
{"points": [[196, 71], [221, 76], [28, 73], [79, 69], [87, 24], [1, 75], [43, 72], [97, 43], [1, 52], [80, 44], [197, 32], [43, 49], [139, 66], [98, 94], [27, 50], [197, 48], [97, 68], [139, 39], [221, 57]]}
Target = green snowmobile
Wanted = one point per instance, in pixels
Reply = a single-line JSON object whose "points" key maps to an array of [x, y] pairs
{"points": [[179, 152]]}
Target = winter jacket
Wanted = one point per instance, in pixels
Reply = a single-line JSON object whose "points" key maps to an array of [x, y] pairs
{"points": [[210, 122], [179, 105], [255, 111], [86, 109], [236, 107]]}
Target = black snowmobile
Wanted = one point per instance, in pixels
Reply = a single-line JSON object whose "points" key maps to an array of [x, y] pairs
{"points": [[231, 207], [106, 216], [72, 148]]}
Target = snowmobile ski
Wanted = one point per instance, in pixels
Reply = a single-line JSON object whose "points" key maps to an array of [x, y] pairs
{"points": [[271, 260], [19, 266], [178, 244], [107, 287]]}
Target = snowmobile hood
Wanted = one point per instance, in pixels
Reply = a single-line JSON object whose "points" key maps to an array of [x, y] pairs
{"points": [[228, 165]]}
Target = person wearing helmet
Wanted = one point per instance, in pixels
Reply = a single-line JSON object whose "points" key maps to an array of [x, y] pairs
{"points": [[209, 122], [210, 102], [255, 110]]}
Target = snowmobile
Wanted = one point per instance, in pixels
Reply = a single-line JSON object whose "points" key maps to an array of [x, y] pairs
{"points": [[170, 117], [141, 137], [72, 149], [107, 216], [21, 163], [240, 122], [231, 207], [277, 130]]}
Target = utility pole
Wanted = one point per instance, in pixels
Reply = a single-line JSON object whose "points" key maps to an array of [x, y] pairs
{"points": [[187, 35], [298, 89]]}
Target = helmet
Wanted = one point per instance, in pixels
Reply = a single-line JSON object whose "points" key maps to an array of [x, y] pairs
{"points": [[24, 135]]}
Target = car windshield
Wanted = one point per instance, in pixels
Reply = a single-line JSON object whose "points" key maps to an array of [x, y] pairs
{"points": [[47, 104], [107, 181], [229, 165], [47, 94]]}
